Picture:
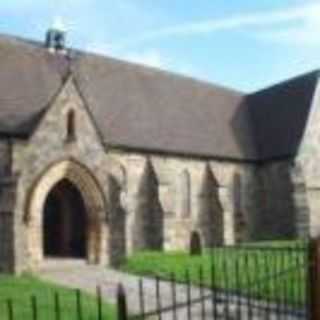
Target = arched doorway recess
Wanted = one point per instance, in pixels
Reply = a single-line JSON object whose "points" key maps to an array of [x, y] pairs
{"points": [[67, 191]]}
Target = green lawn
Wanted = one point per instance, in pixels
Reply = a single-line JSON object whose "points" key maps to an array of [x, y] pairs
{"points": [[260, 271], [20, 290]]}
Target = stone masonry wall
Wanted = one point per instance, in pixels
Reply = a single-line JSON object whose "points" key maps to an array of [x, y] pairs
{"points": [[7, 205], [7, 202], [214, 206], [128, 198], [274, 199], [49, 145], [308, 167]]}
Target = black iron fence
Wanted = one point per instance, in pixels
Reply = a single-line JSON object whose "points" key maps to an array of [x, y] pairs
{"points": [[50, 304], [237, 282], [240, 282]]}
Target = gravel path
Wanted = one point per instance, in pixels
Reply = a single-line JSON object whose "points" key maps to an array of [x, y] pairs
{"points": [[77, 274]]}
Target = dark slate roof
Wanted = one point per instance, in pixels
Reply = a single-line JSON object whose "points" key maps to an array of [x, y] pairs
{"points": [[144, 108], [278, 115], [29, 79], [147, 109]]}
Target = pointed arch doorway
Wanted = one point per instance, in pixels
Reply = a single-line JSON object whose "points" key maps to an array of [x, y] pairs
{"points": [[64, 222], [66, 216]]}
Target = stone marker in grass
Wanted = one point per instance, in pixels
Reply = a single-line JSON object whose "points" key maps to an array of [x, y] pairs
{"points": [[195, 244]]}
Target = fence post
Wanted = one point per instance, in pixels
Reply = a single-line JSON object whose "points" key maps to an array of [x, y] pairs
{"points": [[34, 307], [99, 302], [10, 309], [314, 279], [122, 303], [79, 305]]}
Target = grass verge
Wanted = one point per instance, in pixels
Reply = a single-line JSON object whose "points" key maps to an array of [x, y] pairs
{"points": [[268, 271], [20, 291]]}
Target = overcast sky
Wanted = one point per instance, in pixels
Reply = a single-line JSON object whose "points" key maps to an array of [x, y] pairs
{"points": [[245, 44]]}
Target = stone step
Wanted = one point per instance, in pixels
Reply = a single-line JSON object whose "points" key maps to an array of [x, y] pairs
{"points": [[67, 264]]}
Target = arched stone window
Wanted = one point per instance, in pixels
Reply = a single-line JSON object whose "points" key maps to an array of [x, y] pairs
{"points": [[185, 190], [71, 132], [148, 232], [240, 219], [210, 213], [237, 192]]}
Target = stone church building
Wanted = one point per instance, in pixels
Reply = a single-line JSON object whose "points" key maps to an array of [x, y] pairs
{"points": [[100, 158]]}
